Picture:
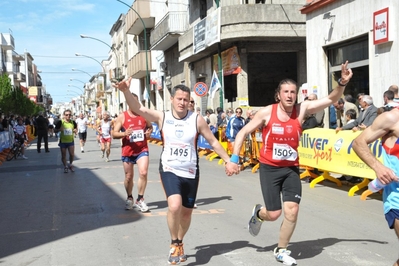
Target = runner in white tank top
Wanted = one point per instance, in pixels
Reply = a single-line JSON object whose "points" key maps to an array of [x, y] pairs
{"points": [[106, 127], [179, 155], [179, 160]]}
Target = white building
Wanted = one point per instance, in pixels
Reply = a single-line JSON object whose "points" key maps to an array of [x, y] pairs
{"points": [[361, 31]]}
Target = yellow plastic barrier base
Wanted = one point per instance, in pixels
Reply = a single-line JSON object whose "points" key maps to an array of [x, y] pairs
{"points": [[359, 186], [255, 168], [212, 156], [325, 176], [367, 193], [307, 173]]}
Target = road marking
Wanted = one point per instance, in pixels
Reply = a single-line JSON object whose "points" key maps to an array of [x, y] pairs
{"points": [[28, 232], [164, 213]]}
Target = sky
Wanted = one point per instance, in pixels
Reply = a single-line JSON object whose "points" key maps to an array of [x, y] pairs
{"points": [[50, 31]]}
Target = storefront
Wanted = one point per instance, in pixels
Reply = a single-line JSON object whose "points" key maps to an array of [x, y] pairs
{"points": [[360, 31]]}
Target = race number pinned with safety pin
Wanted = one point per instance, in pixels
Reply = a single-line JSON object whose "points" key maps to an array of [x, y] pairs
{"points": [[284, 152], [179, 152], [137, 135]]}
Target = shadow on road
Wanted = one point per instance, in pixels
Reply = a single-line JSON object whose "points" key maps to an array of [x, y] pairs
{"points": [[40, 204]]}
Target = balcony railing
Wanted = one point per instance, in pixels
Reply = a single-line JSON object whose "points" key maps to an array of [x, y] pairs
{"points": [[7, 41], [137, 65], [133, 23], [168, 30]]}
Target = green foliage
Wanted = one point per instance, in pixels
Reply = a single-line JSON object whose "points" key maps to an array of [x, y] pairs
{"points": [[13, 101]]}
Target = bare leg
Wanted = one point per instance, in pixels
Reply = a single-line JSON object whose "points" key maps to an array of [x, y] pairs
{"points": [[71, 151], [63, 156], [288, 226], [129, 173], [142, 164]]}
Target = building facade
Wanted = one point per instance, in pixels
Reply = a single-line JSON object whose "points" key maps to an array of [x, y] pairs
{"points": [[364, 33]]}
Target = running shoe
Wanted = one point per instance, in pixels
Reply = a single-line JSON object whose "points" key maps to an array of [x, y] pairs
{"points": [[102, 155], [182, 256], [24, 157], [283, 255], [107, 159], [71, 168], [174, 254], [65, 170], [141, 205], [255, 223], [129, 204]]}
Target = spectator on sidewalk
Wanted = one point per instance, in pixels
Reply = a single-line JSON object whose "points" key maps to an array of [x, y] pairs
{"points": [[42, 132]]}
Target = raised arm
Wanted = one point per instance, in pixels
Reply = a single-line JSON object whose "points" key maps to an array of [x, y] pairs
{"points": [[135, 106], [317, 105]]}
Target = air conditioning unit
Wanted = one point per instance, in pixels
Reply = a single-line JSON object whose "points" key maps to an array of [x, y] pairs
{"points": [[163, 66]]}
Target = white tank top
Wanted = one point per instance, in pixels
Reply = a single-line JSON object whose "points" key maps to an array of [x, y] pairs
{"points": [[106, 129], [179, 154]]}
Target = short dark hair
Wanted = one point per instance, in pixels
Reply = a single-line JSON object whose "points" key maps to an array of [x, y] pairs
{"points": [[180, 87], [389, 94], [351, 113]]}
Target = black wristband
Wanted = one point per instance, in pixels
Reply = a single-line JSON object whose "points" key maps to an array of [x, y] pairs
{"points": [[340, 84]]}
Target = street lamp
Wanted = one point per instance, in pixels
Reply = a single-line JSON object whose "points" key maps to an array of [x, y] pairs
{"points": [[112, 49], [78, 93], [71, 79], [74, 69], [69, 85], [102, 67], [146, 52]]}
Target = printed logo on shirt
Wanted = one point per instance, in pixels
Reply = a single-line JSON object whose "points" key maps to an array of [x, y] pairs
{"points": [[179, 133], [289, 128], [277, 129], [171, 122]]}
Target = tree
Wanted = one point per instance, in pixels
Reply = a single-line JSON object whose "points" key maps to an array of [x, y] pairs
{"points": [[13, 101]]}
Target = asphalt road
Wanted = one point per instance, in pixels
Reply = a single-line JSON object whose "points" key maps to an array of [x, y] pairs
{"points": [[48, 217]]}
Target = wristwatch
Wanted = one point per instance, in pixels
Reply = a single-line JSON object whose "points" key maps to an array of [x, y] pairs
{"points": [[340, 84]]}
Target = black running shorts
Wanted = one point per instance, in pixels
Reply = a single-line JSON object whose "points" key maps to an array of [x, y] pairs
{"points": [[279, 183]]}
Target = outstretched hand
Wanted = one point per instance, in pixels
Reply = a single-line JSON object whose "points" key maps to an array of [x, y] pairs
{"points": [[123, 85], [346, 73]]}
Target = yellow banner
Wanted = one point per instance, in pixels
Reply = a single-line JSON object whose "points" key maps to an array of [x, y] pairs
{"points": [[330, 151]]}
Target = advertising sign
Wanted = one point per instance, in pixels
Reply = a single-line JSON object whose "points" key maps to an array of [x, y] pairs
{"points": [[381, 26]]}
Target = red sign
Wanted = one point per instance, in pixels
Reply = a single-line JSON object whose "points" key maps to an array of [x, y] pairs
{"points": [[201, 89], [33, 98], [381, 26]]}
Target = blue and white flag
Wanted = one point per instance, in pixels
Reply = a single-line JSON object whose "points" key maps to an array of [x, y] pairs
{"points": [[215, 85]]}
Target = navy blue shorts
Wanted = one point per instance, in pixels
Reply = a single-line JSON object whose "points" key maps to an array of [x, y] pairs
{"points": [[391, 216], [186, 187], [133, 159], [66, 145]]}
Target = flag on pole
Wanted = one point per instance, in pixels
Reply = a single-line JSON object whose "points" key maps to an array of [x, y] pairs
{"points": [[146, 96], [215, 84]]}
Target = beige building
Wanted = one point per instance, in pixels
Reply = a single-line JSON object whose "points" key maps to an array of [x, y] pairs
{"points": [[259, 43]]}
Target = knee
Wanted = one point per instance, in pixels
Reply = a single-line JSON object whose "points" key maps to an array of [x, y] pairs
{"points": [[273, 215], [128, 176], [174, 208], [291, 213], [143, 174]]}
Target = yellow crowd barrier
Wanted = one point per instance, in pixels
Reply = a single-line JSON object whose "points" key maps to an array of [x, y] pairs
{"points": [[332, 152], [323, 149]]}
